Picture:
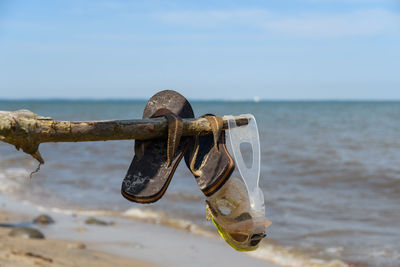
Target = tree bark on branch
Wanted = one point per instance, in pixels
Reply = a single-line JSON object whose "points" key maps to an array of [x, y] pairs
{"points": [[27, 130]]}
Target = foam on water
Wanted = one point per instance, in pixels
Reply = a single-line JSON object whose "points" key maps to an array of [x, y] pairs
{"points": [[11, 179]]}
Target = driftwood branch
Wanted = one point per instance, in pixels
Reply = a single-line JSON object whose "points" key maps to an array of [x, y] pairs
{"points": [[26, 130]]}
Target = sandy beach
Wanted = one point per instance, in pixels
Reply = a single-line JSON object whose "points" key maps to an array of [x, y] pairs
{"points": [[19, 252], [123, 242]]}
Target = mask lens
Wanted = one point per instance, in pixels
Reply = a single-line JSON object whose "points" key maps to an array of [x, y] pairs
{"points": [[239, 237]]}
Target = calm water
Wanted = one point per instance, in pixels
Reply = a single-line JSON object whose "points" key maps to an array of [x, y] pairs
{"points": [[330, 173]]}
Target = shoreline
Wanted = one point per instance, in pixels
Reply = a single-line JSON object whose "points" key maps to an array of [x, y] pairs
{"points": [[125, 242], [22, 252]]}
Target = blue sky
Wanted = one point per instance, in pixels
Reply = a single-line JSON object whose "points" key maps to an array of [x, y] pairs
{"points": [[309, 49]]}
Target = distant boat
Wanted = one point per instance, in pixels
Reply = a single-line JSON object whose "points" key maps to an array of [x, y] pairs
{"points": [[256, 99]]}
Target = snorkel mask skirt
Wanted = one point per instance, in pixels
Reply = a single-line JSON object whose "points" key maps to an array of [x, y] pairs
{"points": [[237, 209]]}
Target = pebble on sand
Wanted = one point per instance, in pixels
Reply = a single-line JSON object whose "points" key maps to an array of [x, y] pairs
{"points": [[43, 219], [26, 232], [93, 220]]}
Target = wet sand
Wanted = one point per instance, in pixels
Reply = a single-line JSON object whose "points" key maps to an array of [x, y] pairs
{"points": [[19, 252], [123, 242]]}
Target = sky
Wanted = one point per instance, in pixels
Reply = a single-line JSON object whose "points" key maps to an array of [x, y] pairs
{"points": [[235, 50]]}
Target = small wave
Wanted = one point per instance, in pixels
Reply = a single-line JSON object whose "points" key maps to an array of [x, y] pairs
{"points": [[81, 212], [289, 257], [162, 218], [11, 179], [272, 253]]}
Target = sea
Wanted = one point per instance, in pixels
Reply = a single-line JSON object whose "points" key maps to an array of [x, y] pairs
{"points": [[330, 173]]}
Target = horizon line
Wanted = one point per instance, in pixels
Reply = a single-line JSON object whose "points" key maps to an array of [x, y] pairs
{"points": [[255, 100]]}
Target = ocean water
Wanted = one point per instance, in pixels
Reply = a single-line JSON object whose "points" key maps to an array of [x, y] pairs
{"points": [[330, 172]]}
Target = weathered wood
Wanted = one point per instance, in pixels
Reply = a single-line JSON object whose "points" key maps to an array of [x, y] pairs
{"points": [[26, 130]]}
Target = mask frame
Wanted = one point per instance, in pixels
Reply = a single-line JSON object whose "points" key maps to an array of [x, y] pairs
{"points": [[250, 175]]}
